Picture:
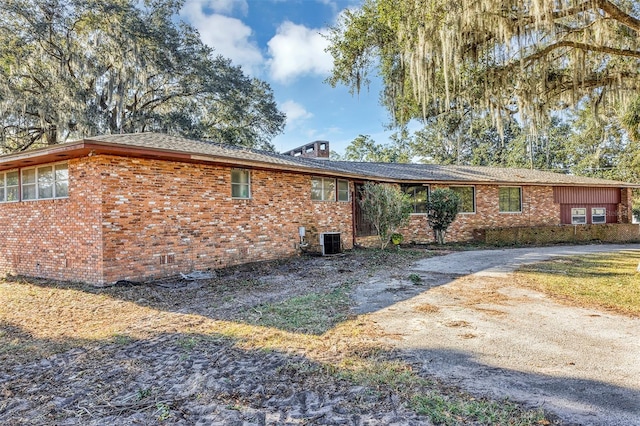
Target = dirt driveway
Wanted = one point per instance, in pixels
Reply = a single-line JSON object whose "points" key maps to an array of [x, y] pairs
{"points": [[476, 328]]}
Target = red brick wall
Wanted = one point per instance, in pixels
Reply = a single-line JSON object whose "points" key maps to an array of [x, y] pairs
{"points": [[161, 218], [625, 213], [58, 239], [538, 208], [136, 219]]}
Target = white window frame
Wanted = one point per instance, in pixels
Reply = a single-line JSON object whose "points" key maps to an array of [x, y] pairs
{"points": [[36, 183], [594, 215], [5, 186], [341, 192], [241, 185], [323, 191], [577, 212], [412, 196], [473, 197], [519, 188]]}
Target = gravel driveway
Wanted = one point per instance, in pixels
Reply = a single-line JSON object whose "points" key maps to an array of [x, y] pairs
{"points": [[474, 327]]}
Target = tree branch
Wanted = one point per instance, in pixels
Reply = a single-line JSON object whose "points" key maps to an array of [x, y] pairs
{"points": [[572, 44], [590, 83], [619, 15]]}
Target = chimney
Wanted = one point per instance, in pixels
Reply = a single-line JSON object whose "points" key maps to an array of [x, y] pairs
{"points": [[318, 150]]}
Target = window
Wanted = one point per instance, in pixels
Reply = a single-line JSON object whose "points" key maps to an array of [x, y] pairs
{"points": [[578, 216], [467, 198], [45, 182], [62, 180], [323, 189], [343, 190], [510, 199], [326, 189], [29, 184], [9, 187], [419, 194], [598, 215], [240, 183]]}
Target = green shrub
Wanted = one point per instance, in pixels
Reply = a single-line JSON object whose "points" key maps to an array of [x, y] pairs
{"points": [[386, 207], [442, 208]]}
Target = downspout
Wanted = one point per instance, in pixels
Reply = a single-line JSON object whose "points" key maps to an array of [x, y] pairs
{"points": [[528, 205], [353, 215]]}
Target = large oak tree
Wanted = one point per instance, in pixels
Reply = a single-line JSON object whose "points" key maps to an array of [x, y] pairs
{"points": [[73, 68], [527, 57]]}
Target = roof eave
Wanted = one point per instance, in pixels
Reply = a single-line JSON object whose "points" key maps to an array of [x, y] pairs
{"points": [[85, 147]]}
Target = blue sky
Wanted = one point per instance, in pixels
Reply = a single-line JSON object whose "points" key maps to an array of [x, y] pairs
{"points": [[280, 41]]}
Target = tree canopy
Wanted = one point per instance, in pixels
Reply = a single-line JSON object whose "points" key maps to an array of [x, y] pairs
{"points": [[503, 56], [363, 148], [74, 68]]}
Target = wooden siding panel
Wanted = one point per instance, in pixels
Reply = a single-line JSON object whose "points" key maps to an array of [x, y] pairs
{"points": [[579, 195]]}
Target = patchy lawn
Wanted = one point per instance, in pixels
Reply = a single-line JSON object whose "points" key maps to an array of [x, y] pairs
{"points": [[268, 343], [607, 281]]}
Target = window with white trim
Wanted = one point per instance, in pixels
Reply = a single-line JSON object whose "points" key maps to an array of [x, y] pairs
{"points": [[9, 187], [323, 189], [240, 183], [510, 199], [578, 216], [598, 215], [467, 196], [418, 195], [45, 182], [343, 190]]}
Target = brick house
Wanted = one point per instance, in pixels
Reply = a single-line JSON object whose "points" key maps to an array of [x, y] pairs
{"points": [[140, 206]]}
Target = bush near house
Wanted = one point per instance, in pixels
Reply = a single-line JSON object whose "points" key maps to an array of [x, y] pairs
{"points": [[442, 208], [386, 207], [606, 233]]}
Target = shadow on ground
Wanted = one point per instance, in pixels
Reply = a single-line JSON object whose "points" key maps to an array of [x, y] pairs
{"points": [[182, 378], [577, 401]]}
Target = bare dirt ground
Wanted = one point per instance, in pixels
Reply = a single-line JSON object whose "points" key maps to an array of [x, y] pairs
{"points": [[181, 352], [192, 352], [476, 327]]}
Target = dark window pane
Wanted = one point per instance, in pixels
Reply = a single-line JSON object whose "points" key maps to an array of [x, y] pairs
{"points": [[62, 189], [510, 199], [12, 178], [343, 190], [12, 194], [419, 195], [240, 184], [467, 201]]}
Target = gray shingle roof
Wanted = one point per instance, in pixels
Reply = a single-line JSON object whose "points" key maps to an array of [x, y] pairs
{"points": [[382, 171], [163, 142], [395, 172], [464, 174]]}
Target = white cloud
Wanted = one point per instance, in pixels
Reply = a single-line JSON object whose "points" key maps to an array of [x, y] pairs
{"points": [[230, 37], [220, 6], [295, 112], [297, 50]]}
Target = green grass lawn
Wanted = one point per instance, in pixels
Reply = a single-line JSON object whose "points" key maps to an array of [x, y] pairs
{"points": [[605, 281]]}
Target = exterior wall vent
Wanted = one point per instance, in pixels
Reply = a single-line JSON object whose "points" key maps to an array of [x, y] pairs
{"points": [[330, 243]]}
